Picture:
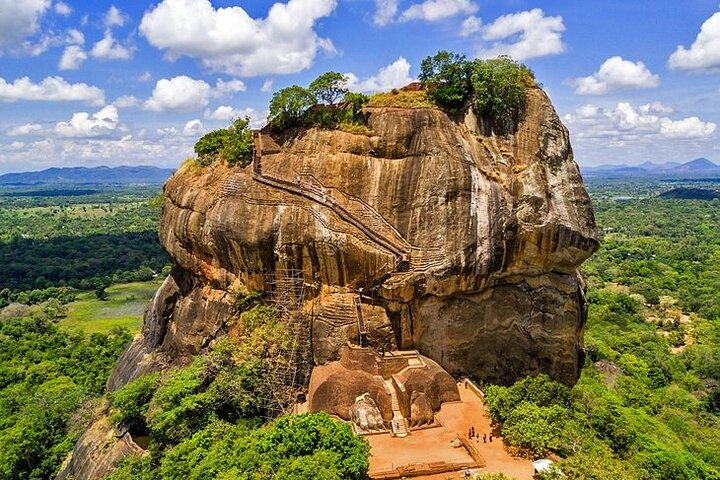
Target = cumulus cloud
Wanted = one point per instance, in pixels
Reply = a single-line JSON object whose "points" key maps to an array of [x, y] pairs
{"points": [[193, 128], [51, 89], [84, 125], [62, 8], [616, 74], [223, 88], [470, 25], [395, 75], [19, 20], [229, 40], [114, 17], [704, 53], [433, 10], [72, 58], [385, 11], [531, 35], [126, 101], [180, 93], [226, 113], [109, 49], [28, 129], [624, 123], [74, 37], [267, 86]]}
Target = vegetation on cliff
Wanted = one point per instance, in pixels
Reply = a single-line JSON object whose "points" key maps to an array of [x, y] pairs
{"points": [[206, 417], [647, 404], [495, 87], [232, 145]]}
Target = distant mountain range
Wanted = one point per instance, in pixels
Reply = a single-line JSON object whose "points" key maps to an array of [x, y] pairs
{"points": [[698, 168], [140, 175]]}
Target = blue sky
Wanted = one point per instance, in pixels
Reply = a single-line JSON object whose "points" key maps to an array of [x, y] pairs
{"points": [[113, 83]]}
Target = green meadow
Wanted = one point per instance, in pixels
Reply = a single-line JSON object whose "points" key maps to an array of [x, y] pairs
{"points": [[124, 307]]}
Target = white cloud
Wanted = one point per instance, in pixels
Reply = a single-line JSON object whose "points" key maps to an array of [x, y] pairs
{"points": [[704, 53], [433, 10], [145, 77], [470, 25], [109, 49], [193, 128], [114, 18], [531, 35], [75, 37], [229, 40], [395, 75], [19, 20], [656, 108], [127, 150], [51, 89], [226, 113], [616, 74], [385, 11], [223, 88], [82, 125], [62, 8], [126, 101], [267, 86], [625, 123], [25, 130], [72, 58], [180, 93]]}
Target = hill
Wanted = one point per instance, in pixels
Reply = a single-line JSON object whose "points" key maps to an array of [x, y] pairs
{"points": [[698, 168], [124, 175]]}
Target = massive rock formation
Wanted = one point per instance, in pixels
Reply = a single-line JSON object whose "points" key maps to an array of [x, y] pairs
{"points": [[434, 234], [465, 243]]}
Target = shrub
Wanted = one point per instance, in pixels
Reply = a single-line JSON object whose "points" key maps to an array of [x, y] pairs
{"points": [[131, 401], [232, 144]]}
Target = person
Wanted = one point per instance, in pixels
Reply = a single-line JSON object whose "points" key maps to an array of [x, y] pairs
{"points": [[491, 438], [484, 437]]}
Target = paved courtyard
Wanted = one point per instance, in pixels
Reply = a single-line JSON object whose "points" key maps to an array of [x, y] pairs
{"points": [[424, 449]]}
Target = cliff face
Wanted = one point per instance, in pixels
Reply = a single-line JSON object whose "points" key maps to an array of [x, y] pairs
{"points": [[465, 244]]}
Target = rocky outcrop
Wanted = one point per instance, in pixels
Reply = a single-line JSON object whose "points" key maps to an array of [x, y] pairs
{"points": [[98, 452], [455, 241]]}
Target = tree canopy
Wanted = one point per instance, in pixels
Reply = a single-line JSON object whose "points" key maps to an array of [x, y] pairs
{"points": [[496, 87], [288, 105], [329, 87]]}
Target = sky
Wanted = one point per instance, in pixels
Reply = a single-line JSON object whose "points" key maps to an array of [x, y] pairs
{"points": [[88, 83]]}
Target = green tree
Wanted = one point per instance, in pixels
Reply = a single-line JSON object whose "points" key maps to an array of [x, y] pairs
{"points": [[232, 145], [329, 87], [499, 87], [447, 78], [288, 105]]}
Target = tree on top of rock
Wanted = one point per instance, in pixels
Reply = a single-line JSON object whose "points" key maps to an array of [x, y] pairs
{"points": [[329, 87], [288, 105]]}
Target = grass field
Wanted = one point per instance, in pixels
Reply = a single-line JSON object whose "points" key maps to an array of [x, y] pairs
{"points": [[124, 307]]}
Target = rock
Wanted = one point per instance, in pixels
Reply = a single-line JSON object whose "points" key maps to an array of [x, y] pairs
{"points": [[364, 413], [421, 411], [465, 243], [97, 453], [432, 234]]}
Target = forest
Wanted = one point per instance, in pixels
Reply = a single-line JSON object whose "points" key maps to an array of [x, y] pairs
{"points": [[646, 407]]}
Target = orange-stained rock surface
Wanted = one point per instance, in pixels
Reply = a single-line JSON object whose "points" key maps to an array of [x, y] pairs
{"points": [[465, 243]]}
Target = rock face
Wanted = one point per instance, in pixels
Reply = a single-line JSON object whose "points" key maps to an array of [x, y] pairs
{"points": [[433, 234]]}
